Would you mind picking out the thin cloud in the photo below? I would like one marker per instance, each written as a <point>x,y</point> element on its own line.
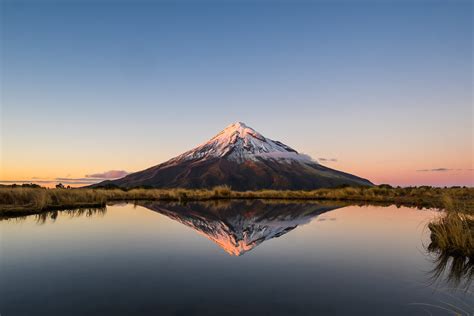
<point>78,179</point>
<point>442,170</point>
<point>111,174</point>
<point>87,179</point>
<point>322,159</point>
<point>24,181</point>
<point>434,170</point>
<point>52,181</point>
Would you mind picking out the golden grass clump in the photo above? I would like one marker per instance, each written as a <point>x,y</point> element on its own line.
<point>452,240</point>
<point>39,199</point>
<point>453,234</point>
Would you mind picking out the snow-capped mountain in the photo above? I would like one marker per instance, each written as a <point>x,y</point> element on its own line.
<point>238,142</point>
<point>239,226</point>
<point>242,158</point>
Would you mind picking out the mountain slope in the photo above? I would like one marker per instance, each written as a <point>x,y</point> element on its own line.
<point>243,159</point>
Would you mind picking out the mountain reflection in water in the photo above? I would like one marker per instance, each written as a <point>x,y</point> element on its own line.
<point>239,226</point>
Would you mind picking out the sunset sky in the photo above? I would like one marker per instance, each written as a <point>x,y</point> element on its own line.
<point>381,89</point>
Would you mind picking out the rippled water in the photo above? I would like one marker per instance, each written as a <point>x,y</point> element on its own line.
<point>227,258</point>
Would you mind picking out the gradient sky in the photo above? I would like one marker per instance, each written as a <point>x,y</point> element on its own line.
<point>384,88</point>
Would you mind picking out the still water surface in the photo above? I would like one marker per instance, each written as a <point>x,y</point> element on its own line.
<point>232,258</point>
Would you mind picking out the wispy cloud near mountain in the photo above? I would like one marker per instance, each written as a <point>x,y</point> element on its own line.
<point>327,159</point>
<point>111,174</point>
<point>435,170</point>
<point>441,170</point>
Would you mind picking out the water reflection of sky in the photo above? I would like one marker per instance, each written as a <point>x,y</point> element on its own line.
<point>134,260</point>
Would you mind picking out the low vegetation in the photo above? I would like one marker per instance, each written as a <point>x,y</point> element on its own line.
<point>453,234</point>
<point>452,240</point>
<point>34,200</point>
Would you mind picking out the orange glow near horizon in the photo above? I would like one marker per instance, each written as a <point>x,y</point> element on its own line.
<point>400,164</point>
<point>390,173</point>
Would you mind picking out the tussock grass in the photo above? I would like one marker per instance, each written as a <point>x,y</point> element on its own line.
<point>32,200</point>
<point>452,241</point>
<point>453,235</point>
<point>41,199</point>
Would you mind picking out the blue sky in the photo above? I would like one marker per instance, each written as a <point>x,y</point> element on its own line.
<point>383,87</point>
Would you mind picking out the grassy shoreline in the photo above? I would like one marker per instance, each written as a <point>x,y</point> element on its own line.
<point>21,200</point>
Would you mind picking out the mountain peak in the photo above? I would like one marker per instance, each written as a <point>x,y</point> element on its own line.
<point>239,142</point>
<point>237,130</point>
<point>237,125</point>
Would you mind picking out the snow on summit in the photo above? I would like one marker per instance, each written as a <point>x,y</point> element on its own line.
<point>239,142</point>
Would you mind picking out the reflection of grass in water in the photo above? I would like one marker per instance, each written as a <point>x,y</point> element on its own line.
<point>451,247</point>
<point>455,269</point>
<point>53,215</point>
<point>452,244</point>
